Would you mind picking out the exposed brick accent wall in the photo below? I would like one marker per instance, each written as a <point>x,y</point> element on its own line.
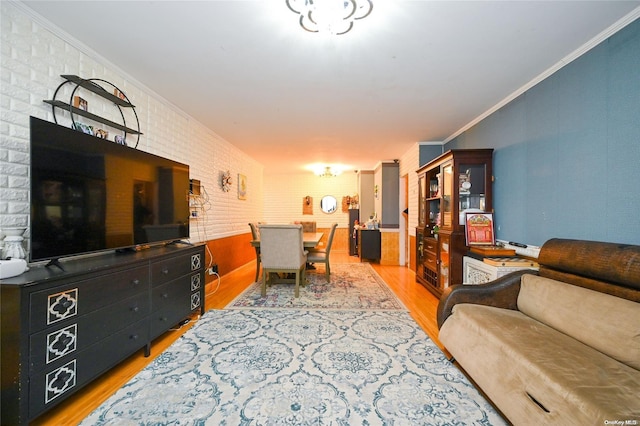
<point>33,56</point>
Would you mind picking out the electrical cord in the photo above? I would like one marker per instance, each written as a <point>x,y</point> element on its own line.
<point>218,286</point>
<point>181,324</point>
<point>201,204</point>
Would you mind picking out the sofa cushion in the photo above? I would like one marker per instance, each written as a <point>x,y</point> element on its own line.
<point>535,374</point>
<point>607,323</point>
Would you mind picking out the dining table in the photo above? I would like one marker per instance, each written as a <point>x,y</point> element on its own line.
<point>309,239</point>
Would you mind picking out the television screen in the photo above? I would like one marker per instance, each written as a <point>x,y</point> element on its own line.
<point>89,194</point>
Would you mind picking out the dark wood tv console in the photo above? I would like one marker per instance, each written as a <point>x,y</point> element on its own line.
<point>61,329</point>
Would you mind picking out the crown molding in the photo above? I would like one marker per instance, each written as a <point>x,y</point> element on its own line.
<point>604,35</point>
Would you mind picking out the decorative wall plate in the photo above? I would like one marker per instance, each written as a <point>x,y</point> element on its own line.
<point>225,181</point>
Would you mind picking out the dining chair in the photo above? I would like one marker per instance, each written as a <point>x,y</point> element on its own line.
<point>308,226</point>
<point>322,255</point>
<point>255,235</point>
<point>282,250</point>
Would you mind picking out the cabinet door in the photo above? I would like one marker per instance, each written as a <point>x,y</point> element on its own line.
<point>476,271</point>
<point>171,303</point>
<point>434,180</point>
<point>370,244</point>
<point>65,376</point>
<point>473,186</point>
<point>197,291</point>
<point>447,194</point>
<point>445,261</point>
<point>170,268</point>
<point>422,200</point>
<point>419,246</point>
<point>75,299</point>
<point>78,334</point>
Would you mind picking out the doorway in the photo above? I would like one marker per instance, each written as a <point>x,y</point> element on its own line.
<point>404,190</point>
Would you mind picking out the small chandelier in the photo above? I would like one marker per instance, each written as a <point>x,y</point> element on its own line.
<point>332,16</point>
<point>328,172</point>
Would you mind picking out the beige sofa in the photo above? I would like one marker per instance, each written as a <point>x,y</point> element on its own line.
<point>559,346</point>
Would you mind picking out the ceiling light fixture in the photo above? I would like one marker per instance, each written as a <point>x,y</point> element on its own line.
<point>328,172</point>
<point>330,16</point>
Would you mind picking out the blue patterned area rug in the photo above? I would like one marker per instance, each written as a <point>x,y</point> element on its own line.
<point>284,367</point>
<point>353,286</point>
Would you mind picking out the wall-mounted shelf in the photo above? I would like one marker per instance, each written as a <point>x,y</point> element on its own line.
<point>98,90</point>
<point>92,86</point>
<point>91,116</point>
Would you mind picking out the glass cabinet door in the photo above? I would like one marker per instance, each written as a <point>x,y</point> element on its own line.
<point>472,191</point>
<point>422,200</point>
<point>447,194</point>
<point>419,249</point>
<point>445,261</point>
<point>433,201</point>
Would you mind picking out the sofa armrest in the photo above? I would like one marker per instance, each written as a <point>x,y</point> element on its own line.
<point>500,293</point>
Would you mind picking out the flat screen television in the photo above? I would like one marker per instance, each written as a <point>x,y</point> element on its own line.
<point>90,194</point>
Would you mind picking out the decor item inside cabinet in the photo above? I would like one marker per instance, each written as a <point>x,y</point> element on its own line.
<point>451,185</point>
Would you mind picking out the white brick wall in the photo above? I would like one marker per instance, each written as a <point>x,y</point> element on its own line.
<point>32,58</point>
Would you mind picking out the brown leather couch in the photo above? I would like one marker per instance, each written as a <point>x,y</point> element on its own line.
<point>556,346</point>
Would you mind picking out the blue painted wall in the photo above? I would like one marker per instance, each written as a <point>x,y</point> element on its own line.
<point>429,152</point>
<point>567,152</point>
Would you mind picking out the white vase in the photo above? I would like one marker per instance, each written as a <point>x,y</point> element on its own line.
<point>12,247</point>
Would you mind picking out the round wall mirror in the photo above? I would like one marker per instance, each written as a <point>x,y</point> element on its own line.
<point>328,204</point>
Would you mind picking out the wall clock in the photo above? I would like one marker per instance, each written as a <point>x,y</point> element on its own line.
<point>225,181</point>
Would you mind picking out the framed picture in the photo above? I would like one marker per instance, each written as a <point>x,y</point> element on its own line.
<point>479,229</point>
<point>307,205</point>
<point>118,94</point>
<point>80,103</point>
<point>242,187</point>
<point>225,181</point>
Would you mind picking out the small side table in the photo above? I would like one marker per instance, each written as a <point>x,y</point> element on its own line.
<point>476,271</point>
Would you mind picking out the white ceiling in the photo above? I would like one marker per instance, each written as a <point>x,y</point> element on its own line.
<point>412,71</point>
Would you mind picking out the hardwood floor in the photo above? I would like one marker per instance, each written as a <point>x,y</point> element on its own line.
<point>421,304</point>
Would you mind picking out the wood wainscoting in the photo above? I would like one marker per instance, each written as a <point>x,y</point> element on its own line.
<point>340,239</point>
<point>229,253</point>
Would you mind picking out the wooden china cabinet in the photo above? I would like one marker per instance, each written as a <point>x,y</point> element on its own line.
<point>457,181</point>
